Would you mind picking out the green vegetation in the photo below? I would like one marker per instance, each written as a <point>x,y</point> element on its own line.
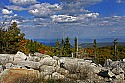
<point>12,40</point>
<point>64,48</point>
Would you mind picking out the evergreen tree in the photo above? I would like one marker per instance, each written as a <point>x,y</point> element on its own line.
<point>67,47</point>
<point>11,39</point>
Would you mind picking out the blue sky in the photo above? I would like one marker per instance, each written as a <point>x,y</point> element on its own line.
<point>50,19</point>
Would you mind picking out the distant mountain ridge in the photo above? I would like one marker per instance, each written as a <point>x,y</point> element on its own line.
<point>102,41</point>
<point>86,45</point>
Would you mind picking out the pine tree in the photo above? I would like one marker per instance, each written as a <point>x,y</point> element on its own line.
<point>67,46</point>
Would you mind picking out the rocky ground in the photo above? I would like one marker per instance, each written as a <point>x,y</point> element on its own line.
<point>40,68</point>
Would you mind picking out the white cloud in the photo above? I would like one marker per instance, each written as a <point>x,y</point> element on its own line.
<point>92,15</point>
<point>23,2</point>
<point>44,9</point>
<point>14,7</point>
<point>119,1</point>
<point>67,18</point>
<point>15,21</point>
<point>15,14</point>
<point>6,11</point>
<point>75,6</point>
<point>63,18</point>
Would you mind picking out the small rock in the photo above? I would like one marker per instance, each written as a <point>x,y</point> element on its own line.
<point>8,65</point>
<point>117,70</point>
<point>57,76</point>
<point>1,68</point>
<point>120,76</point>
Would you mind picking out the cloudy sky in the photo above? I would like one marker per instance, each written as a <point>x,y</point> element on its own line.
<point>50,19</point>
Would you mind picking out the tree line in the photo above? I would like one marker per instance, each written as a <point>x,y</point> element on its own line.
<point>12,40</point>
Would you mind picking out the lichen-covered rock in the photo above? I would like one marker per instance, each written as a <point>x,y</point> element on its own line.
<point>6,58</point>
<point>71,65</point>
<point>62,71</point>
<point>28,64</point>
<point>20,56</point>
<point>48,69</point>
<point>117,70</point>
<point>57,76</point>
<point>38,54</point>
<point>48,61</point>
<point>19,76</point>
<point>1,68</point>
<point>120,76</point>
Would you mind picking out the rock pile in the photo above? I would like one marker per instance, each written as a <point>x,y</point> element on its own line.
<point>36,68</point>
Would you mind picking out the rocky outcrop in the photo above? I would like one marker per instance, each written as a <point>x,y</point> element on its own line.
<point>20,56</point>
<point>19,76</point>
<point>21,68</point>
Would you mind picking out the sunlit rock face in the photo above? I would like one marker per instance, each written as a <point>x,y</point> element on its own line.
<point>19,76</point>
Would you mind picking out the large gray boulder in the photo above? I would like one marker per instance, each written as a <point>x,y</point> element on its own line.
<point>48,69</point>
<point>40,55</point>
<point>70,64</point>
<point>1,68</point>
<point>48,61</point>
<point>20,56</point>
<point>6,58</point>
<point>28,64</point>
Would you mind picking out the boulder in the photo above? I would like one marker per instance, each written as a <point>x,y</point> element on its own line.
<point>123,60</point>
<point>6,58</point>
<point>70,65</point>
<point>20,56</point>
<point>120,76</point>
<point>40,55</point>
<point>36,59</point>
<point>62,71</point>
<point>48,61</point>
<point>48,69</point>
<point>117,71</point>
<point>19,76</point>
<point>57,76</point>
<point>28,64</point>
<point>8,65</point>
<point>45,75</point>
<point>1,68</point>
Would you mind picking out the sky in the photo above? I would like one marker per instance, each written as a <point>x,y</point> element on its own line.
<point>51,19</point>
